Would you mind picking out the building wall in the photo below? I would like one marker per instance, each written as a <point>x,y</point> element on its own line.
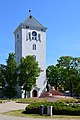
<point>24,47</point>
<point>40,53</point>
<point>18,45</point>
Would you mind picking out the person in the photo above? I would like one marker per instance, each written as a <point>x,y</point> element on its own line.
<point>48,87</point>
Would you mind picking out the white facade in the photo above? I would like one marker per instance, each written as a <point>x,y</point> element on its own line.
<point>30,39</point>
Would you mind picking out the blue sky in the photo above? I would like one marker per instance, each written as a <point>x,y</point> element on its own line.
<point>61,17</point>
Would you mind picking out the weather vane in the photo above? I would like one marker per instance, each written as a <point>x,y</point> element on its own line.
<point>30,12</point>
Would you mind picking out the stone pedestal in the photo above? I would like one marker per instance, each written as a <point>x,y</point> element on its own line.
<point>49,110</point>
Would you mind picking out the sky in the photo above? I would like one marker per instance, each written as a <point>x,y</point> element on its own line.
<point>61,17</point>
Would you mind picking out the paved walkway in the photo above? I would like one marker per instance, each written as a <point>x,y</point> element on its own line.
<point>8,106</point>
<point>5,117</point>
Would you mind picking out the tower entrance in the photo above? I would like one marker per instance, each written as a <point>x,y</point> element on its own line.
<point>34,93</point>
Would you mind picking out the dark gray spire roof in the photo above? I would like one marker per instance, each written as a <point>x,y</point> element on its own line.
<point>32,22</point>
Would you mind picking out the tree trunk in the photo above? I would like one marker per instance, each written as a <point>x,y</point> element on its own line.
<point>25,94</point>
<point>56,86</point>
<point>71,89</point>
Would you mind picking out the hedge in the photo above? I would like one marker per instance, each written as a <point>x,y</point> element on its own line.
<point>59,108</point>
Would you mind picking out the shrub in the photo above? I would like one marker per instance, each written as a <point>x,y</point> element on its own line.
<point>34,108</point>
<point>59,108</point>
<point>0,101</point>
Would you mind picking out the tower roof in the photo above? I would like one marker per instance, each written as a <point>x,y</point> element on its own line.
<point>31,22</point>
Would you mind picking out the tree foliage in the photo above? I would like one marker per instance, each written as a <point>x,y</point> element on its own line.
<point>2,78</point>
<point>10,76</point>
<point>28,71</point>
<point>72,77</point>
<point>66,74</point>
<point>52,73</point>
<point>2,73</point>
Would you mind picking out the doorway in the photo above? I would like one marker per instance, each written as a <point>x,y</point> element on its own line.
<point>34,93</point>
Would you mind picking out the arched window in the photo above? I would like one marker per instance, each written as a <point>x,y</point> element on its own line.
<point>34,46</point>
<point>39,37</point>
<point>29,35</point>
<point>35,57</point>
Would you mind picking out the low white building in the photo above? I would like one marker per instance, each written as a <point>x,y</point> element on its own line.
<point>30,39</point>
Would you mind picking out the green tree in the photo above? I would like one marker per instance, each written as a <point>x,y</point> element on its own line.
<point>28,71</point>
<point>53,75</point>
<point>71,75</point>
<point>10,76</point>
<point>65,74</point>
<point>2,76</point>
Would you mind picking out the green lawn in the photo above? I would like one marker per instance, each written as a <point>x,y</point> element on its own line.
<point>20,114</point>
<point>30,100</point>
<point>24,100</point>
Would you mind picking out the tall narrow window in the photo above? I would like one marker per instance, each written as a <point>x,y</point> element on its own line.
<point>34,46</point>
<point>35,57</point>
<point>18,36</point>
<point>29,35</point>
<point>32,38</point>
<point>39,37</point>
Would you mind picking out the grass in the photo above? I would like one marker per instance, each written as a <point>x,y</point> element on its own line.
<point>3,101</point>
<point>19,113</point>
<point>24,100</point>
<point>30,100</point>
<point>69,100</point>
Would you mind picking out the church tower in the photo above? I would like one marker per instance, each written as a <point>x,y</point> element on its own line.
<point>30,39</point>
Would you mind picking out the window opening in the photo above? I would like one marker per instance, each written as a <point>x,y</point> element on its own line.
<point>39,37</point>
<point>27,27</point>
<point>17,36</point>
<point>35,57</point>
<point>34,46</point>
<point>29,35</point>
<point>34,35</point>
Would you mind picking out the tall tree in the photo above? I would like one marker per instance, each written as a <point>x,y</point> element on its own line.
<point>65,74</point>
<point>71,67</point>
<point>28,71</point>
<point>10,76</point>
<point>2,76</point>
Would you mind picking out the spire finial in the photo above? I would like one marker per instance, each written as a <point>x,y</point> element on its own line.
<point>29,12</point>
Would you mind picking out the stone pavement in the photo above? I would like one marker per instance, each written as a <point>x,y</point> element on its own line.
<point>8,106</point>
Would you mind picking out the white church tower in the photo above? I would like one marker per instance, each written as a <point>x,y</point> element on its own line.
<point>30,39</point>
